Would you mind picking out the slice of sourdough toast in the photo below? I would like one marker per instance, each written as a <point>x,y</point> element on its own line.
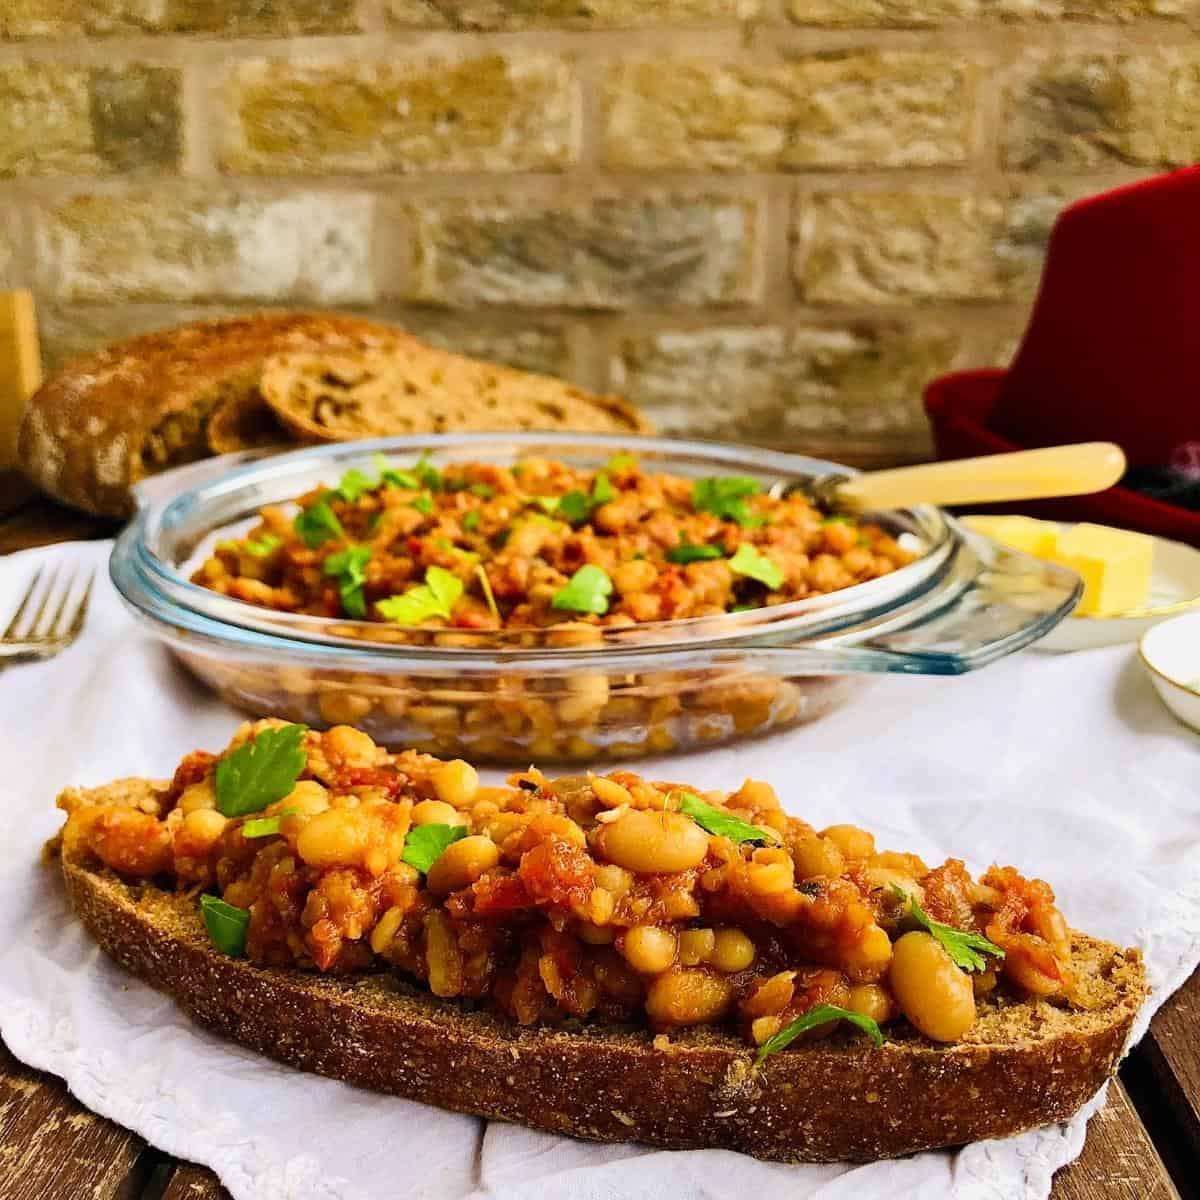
<point>1023,1064</point>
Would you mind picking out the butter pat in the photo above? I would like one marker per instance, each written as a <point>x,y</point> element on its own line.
<point>1114,564</point>
<point>1026,534</point>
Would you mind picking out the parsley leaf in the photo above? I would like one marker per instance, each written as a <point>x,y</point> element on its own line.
<point>688,552</point>
<point>470,521</point>
<point>226,925</point>
<point>749,562</point>
<point>725,497</point>
<point>721,823</point>
<point>744,607</point>
<point>261,546</point>
<point>395,475</point>
<point>427,473</point>
<point>621,462</point>
<point>822,1014</point>
<point>261,771</point>
<point>266,826</point>
<point>318,523</point>
<point>423,504</point>
<point>421,474</point>
<point>484,491</point>
<point>433,598</point>
<point>425,843</point>
<point>966,949</point>
<point>574,507</point>
<point>354,483</point>
<point>350,567</point>
<point>587,591</point>
<point>603,490</point>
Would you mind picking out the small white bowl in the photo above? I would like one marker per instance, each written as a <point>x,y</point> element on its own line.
<point>1170,652</point>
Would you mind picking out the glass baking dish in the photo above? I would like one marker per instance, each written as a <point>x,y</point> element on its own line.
<point>570,694</point>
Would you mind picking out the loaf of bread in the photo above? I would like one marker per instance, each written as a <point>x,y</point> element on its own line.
<point>413,388</point>
<point>163,399</point>
<point>140,406</point>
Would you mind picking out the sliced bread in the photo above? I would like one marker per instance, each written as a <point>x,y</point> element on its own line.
<point>413,388</point>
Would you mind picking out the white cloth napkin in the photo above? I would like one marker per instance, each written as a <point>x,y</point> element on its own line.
<point>1065,766</point>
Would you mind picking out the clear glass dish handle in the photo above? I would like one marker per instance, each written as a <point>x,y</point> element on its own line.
<point>996,601</point>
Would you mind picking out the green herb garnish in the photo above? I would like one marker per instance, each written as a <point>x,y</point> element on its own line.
<point>838,519</point>
<point>226,925</point>
<point>688,552</point>
<point>721,823</point>
<point>744,607</point>
<point>436,597</point>
<point>603,490</point>
<point>574,507</point>
<point>318,523</point>
<point>587,591</point>
<point>261,546</point>
<point>725,497</point>
<point>350,568</point>
<point>427,473</point>
<point>470,521</point>
<point>446,546</point>
<point>423,504</point>
<point>486,585</point>
<point>396,476</point>
<point>484,491</point>
<point>621,462</point>
<point>749,562</point>
<point>354,483</point>
<point>265,826</point>
<point>966,949</point>
<point>261,771</point>
<point>425,844</point>
<point>821,1015</point>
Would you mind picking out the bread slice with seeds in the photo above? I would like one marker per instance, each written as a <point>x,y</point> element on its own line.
<point>1023,1064</point>
<point>413,388</point>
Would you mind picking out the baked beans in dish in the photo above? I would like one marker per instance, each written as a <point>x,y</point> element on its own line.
<point>477,546</point>
<point>604,898</point>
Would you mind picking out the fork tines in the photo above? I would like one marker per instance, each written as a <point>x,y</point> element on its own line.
<point>50,615</point>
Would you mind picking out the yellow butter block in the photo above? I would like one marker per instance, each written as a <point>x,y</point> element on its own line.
<point>1114,564</point>
<point>1026,534</point>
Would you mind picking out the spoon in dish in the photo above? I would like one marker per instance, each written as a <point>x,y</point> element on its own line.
<point>992,479</point>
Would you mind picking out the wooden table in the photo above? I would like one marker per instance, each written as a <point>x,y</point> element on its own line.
<point>1144,1145</point>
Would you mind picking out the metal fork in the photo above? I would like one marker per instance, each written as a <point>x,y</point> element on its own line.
<point>53,621</point>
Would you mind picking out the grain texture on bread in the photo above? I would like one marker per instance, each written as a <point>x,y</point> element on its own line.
<point>112,417</point>
<point>415,388</point>
<point>1024,1064</point>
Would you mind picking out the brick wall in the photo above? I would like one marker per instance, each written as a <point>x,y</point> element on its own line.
<point>762,219</point>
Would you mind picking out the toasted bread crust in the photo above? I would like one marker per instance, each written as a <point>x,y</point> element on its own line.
<point>110,418</point>
<point>415,388</point>
<point>1025,1064</point>
<point>85,431</point>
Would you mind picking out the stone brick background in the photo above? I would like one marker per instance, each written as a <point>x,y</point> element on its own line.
<point>770,220</point>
